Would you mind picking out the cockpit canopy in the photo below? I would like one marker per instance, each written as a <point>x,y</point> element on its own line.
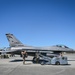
<point>62,46</point>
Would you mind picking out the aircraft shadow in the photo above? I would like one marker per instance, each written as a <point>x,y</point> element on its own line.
<point>18,60</point>
<point>66,64</point>
<point>63,65</point>
<point>71,60</point>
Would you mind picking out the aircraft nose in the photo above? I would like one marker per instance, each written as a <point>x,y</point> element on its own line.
<point>72,50</point>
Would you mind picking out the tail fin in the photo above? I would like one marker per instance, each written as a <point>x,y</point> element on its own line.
<point>13,41</point>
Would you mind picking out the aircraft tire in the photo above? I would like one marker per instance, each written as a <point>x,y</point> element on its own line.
<point>57,63</point>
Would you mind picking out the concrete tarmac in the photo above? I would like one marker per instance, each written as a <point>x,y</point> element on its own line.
<point>14,66</point>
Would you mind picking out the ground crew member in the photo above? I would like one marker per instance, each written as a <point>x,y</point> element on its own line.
<point>37,57</point>
<point>24,55</point>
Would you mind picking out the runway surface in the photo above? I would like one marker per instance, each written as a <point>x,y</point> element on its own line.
<point>14,66</point>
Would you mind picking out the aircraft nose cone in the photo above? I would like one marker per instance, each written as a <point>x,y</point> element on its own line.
<point>71,50</point>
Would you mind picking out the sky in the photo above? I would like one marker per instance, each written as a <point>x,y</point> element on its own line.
<point>38,22</point>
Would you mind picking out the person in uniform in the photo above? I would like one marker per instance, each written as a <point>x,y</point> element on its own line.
<point>24,55</point>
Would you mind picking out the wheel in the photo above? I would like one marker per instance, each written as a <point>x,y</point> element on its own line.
<point>42,63</point>
<point>34,60</point>
<point>57,63</point>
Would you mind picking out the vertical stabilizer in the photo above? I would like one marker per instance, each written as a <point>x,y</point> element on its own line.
<point>13,41</point>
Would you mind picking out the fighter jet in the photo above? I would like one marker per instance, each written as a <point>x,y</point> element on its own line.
<point>16,47</point>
